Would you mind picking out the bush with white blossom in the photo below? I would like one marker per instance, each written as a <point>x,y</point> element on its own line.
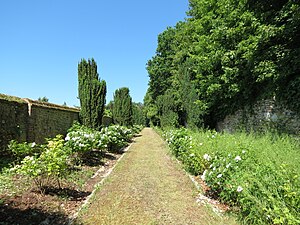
<point>265,190</point>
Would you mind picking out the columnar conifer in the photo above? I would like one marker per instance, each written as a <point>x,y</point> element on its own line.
<point>122,109</point>
<point>92,93</point>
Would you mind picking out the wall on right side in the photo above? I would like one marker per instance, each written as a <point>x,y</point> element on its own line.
<point>265,115</point>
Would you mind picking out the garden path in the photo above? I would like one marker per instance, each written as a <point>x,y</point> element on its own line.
<point>148,187</point>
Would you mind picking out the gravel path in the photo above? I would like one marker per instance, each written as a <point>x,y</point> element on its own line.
<point>148,187</point>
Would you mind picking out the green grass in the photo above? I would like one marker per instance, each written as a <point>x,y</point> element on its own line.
<point>148,187</point>
<point>258,173</point>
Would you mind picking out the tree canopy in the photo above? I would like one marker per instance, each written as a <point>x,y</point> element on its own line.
<point>226,55</point>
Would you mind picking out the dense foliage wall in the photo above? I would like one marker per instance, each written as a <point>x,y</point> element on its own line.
<point>225,56</point>
<point>92,94</point>
<point>33,121</point>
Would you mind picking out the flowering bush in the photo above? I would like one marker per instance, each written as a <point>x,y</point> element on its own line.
<point>81,139</point>
<point>117,136</point>
<point>181,145</point>
<point>237,172</point>
<point>54,158</point>
<point>20,150</point>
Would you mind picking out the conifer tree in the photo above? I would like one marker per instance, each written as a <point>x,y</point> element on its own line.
<point>122,109</point>
<point>92,94</point>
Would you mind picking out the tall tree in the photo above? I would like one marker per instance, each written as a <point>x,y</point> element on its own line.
<point>122,108</point>
<point>138,117</point>
<point>92,94</point>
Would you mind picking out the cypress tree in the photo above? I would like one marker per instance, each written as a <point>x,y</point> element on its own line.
<point>122,109</point>
<point>92,93</point>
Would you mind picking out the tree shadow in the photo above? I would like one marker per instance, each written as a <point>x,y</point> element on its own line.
<point>9,215</point>
<point>70,194</point>
<point>95,158</point>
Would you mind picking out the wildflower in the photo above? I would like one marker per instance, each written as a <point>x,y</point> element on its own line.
<point>67,138</point>
<point>33,144</point>
<point>203,175</point>
<point>238,158</point>
<point>201,144</point>
<point>192,155</point>
<point>228,165</point>
<point>243,151</point>
<point>219,175</point>
<point>206,157</point>
<point>239,189</point>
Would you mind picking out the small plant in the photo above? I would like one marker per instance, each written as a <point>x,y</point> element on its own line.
<point>51,163</point>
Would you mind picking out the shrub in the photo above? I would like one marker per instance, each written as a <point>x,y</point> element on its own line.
<point>257,174</point>
<point>20,150</point>
<point>51,163</point>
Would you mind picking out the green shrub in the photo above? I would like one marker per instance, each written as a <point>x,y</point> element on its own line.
<point>51,163</point>
<point>20,150</point>
<point>257,174</point>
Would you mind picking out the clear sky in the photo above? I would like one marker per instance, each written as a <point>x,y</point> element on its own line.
<point>42,42</point>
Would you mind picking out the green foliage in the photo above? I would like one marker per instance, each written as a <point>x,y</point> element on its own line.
<point>20,150</point>
<point>54,160</point>
<point>229,54</point>
<point>51,163</point>
<point>92,94</point>
<point>43,99</point>
<point>122,107</point>
<point>167,110</point>
<point>259,175</point>
<point>138,116</point>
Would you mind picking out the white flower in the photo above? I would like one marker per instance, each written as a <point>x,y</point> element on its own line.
<point>33,144</point>
<point>192,155</point>
<point>239,189</point>
<point>203,175</point>
<point>206,157</point>
<point>243,151</point>
<point>219,175</point>
<point>67,138</point>
<point>238,158</point>
<point>201,144</point>
<point>228,165</point>
<point>214,168</point>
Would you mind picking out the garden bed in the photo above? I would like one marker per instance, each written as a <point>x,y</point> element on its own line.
<point>25,204</point>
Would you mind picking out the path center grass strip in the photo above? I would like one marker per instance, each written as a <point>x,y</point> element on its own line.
<point>147,187</point>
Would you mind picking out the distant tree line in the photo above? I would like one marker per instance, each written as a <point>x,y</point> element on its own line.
<point>226,55</point>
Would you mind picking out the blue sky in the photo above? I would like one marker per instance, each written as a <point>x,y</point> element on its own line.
<point>42,42</point>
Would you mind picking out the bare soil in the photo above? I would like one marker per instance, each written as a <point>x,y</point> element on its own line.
<point>55,205</point>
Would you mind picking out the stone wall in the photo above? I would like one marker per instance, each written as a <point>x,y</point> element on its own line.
<point>265,115</point>
<point>32,121</point>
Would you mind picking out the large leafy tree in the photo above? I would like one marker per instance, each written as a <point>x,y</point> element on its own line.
<point>92,94</point>
<point>122,107</point>
<point>225,56</point>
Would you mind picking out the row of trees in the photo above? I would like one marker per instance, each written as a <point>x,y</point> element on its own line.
<point>92,96</point>
<point>226,55</point>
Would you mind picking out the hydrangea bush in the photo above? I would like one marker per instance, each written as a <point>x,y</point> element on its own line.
<point>54,159</point>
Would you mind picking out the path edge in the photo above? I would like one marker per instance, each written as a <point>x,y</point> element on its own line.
<point>73,217</point>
